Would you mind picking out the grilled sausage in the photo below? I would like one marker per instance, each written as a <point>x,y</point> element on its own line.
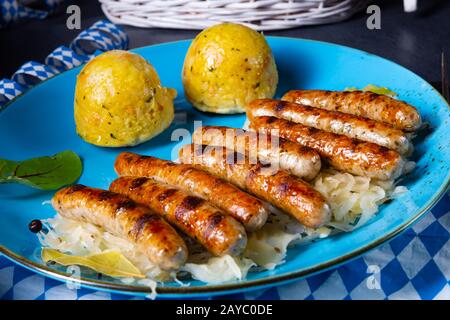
<point>333,121</point>
<point>351,155</point>
<point>296,159</point>
<point>365,104</point>
<point>248,210</point>
<point>283,190</point>
<point>218,233</point>
<point>117,214</point>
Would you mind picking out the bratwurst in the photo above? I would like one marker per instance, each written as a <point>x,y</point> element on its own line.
<point>248,210</point>
<point>333,121</point>
<point>361,103</point>
<point>298,160</point>
<point>278,187</point>
<point>123,217</point>
<point>220,234</point>
<point>345,154</point>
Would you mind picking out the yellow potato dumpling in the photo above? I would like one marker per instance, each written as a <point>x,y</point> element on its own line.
<point>119,101</point>
<point>227,66</point>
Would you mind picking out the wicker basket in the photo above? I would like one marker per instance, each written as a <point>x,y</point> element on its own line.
<point>199,14</point>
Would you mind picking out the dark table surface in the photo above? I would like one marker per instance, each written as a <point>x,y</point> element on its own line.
<point>414,40</point>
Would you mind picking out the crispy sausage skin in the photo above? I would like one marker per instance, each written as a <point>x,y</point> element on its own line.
<point>219,233</point>
<point>351,155</point>
<point>298,160</point>
<point>117,214</point>
<point>248,210</point>
<point>278,187</point>
<point>333,121</point>
<point>370,105</point>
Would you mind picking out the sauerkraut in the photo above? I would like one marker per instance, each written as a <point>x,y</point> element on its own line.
<point>353,199</point>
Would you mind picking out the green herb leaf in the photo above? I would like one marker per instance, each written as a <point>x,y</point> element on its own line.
<point>379,90</point>
<point>46,173</point>
<point>374,89</point>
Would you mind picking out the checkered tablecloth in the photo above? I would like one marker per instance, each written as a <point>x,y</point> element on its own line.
<point>415,265</point>
<point>14,10</point>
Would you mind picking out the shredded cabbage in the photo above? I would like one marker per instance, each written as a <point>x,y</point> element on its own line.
<point>219,269</point>
<point>353,199</point>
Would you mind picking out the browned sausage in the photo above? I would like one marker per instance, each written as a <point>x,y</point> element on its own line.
<point>298,160</point>
<point>365,104</point>
<point>248,210</point>
<point>333,121</point>
<point>280,188</point>
<point>117,214</point>
<point>218,233</point>
<point>351,155</point>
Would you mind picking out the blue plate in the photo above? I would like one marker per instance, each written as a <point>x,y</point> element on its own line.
<point>40,122</point>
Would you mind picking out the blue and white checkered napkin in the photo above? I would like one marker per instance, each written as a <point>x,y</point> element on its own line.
<point>13,10</point>
<point>101,36</point>
<point>415,265</point>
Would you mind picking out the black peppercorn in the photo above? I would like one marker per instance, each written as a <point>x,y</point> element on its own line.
<point>35,226</point>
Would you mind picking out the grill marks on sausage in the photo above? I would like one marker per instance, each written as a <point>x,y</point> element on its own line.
<point>283,188</point>
<point>166,194</point>
<point>138,182</point>
<point>373,96</point>
<point>186,170</point>
<point>128,158</point>
<point>212,225</point>
<point>312,130</point>
<point>140,224</point>
<point>106,195</point>
<point>75,188</point>
<point>305,149</point>
<point>280,106</point>
<point>218,182</point>
<point>192,203</point>
<point>142,157</point>
<point>125,205</point>
<point>384,151</point>
<point>189,204</point>
<point>271,120</point>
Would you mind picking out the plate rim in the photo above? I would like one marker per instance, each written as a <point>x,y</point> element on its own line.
<point>224,288</point>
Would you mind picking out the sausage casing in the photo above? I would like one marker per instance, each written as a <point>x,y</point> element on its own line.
<point>296,159</point>
<point>370,105</point>
<point>117,214</point>
<point>220,234</point>
<point>333,121</point>
<point>351,155</point>
<point>248,210</point>
<point>280,188</point>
